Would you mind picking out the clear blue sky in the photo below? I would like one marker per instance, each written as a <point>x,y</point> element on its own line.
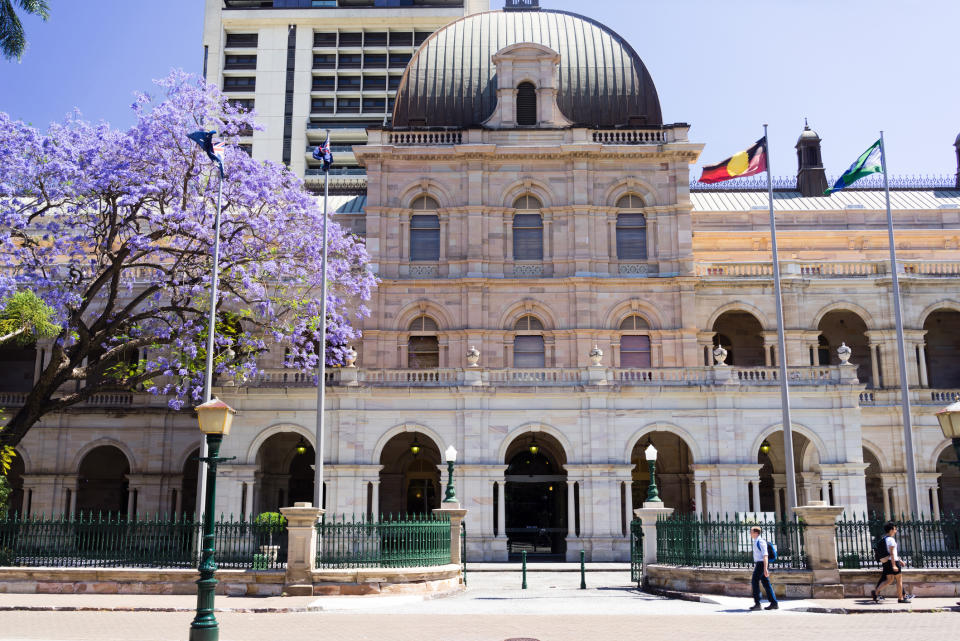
<point>726,68</point>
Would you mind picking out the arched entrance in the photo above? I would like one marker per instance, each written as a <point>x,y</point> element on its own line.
<point>410,476</point>
<point>772,489</point>
<point>843,326</point>
<point>102,486</point>
<point>874,481</point>
<point>674,479</point>
<point>943,349</point>
<point>188,487</point>
<point>284,474</point>
<point>15,480</point>
<point>535,497</point>
<point>741,334</point>
<point>949,481</point>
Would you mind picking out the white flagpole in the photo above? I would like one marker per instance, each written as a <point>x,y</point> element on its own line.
<point>781,348</point>
<point>913,496</point>
<point>321,366</point>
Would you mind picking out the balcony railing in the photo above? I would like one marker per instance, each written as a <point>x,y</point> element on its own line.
<point>827,269</point>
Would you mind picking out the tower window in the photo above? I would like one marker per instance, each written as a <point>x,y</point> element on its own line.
<point>526,104</point>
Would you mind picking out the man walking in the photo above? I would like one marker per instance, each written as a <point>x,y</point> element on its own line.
<point>892,565</point>
<point>761,571</point>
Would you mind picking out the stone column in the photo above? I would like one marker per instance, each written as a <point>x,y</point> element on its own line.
<point>375,499</point>
<point>571,510</point>
<point>874,365</point>
<point>501,510</point>
<point>924,381</point>
<point>936,503</point>
<point>456,514</point>
<point>820,545</point>
<point>756,495</point>
<point>301,547</point>
<point>825,490</point>
<point>886,503</point>
<point>648,515</point>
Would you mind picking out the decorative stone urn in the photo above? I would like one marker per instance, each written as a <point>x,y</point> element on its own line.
<point>473,356</point>
<point>351,356</point>
<point>720,356</point>
<point>596,355</point>
<point>844,353</point>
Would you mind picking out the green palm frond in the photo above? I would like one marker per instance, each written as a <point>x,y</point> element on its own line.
<point>13,40</point>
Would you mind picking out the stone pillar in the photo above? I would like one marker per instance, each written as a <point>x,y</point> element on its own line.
<point>874,365</point>
<point>501,510</point>
<point>825,490</point>
<point>820,545</point>
<point>375,499</point>
<point>571,510</point>
<point>886,503</point>
<point>648,515</point>
<point>777,507</point>
<point>456,514</point>
<point>924,381</point>
<point>301,547</point>
<point>756,495</point>
<point>936,503</point>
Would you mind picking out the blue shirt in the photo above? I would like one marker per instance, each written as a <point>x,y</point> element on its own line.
<point>759,549</point>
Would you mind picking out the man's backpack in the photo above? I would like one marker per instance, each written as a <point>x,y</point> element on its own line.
<point>771,552</point>
<point>880,551</point>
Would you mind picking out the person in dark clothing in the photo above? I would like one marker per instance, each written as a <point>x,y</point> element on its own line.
<point>892,567</point>
<point>761,571</point>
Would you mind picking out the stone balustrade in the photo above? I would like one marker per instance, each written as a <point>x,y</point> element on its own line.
<point>918,396</point>
<point>826,269</point>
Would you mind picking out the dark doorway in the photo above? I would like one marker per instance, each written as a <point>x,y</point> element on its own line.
<point>536,499</point>
<point>410,476</point>
<point>102,483</point>
<point>285,473</point>
<point>188,488</point>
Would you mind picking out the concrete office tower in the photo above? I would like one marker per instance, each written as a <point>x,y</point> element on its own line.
<point>310,65</point>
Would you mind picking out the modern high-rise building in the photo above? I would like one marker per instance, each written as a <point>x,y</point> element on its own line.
<point>306,66</point>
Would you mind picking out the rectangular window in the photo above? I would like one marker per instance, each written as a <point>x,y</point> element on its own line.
<point>373,83</point>
<point>528,351</point>
<point>420,36</point>
<point>425,237</point>
<point>634,351</point>
<point>322,105</point>
<point>527,237</point>
<point>348,83</point>
<point>374,105</point>
<point>374,60</point>
<point>241,83</point>
<point>248,61</point>
<point>423,352</point>
<point>325,39</point>
<point>348,105</point>
<point>631,237</point>
<point>324,61</point>
<point>401,39</point>
<point>241,40</point>
<point>351,39</point>
<point>242,103</point>
<point>399,60</point>
<point>394,82</point>
<point>350,61</point>
<point>375,39</point>
<point>324,83</point>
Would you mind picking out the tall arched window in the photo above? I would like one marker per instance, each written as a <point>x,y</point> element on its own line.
<point>424,229</point>
<point>634,347</point>
<point>526,104</point>
<point>527,229</point>
<point>631,229</point>
<point>423,348</point>
<point>528,347</point>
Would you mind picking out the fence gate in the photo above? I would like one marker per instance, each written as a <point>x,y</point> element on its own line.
<point>636,551</point>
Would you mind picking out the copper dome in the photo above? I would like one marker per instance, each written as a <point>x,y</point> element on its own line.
<point>451,80</point>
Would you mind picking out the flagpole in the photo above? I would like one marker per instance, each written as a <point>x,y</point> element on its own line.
<point>321,366</point>
<point>781,348</point>
<point>208,372</point>
<point>913,496</point>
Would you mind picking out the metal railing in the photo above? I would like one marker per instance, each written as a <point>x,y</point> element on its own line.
<point>726,543</point>
<point>921,543</point>
<point>112,541</point>
<point>636,551</point>
<point>391,542</point>
<point>789,183</point>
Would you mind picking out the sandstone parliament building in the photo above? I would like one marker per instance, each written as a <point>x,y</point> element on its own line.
<point>552,292</point>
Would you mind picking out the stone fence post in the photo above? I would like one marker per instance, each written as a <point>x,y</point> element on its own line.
<point>456,514</point>
<point>301,547</point>
<point>820,545</point>
<point>648,515</point>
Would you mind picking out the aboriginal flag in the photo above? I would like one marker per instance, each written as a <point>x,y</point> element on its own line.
<point>745,163</point>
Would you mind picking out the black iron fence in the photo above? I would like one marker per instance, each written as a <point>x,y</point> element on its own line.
<point>726,543</point>
<point>921,543</point>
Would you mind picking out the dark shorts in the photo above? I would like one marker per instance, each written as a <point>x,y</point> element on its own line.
<point>889,568</point>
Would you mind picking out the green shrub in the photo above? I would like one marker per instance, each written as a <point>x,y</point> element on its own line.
<point>271,518</point>
<point>5,491</point>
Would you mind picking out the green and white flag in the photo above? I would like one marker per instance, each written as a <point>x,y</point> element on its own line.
<point>869,162</point>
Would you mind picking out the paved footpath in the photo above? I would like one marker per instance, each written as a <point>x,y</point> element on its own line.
<point>493,608</point>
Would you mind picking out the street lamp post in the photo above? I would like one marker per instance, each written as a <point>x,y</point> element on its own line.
<point>451,494</point>
<point>651,455</point>
<point>949,418</point>
<point>215,418</point>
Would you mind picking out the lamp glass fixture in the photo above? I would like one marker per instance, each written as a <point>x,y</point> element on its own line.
<point>215,417</point>
<point>451,454</point>
<point>765,447</point>
<point>650,453</point>
<point>949,418</point>
<point>302,446</point>
<point>533,447</point>
<point>415,446</point>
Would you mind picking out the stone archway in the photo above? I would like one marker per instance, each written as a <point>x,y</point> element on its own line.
<point>948,485</point>
<point>102,484</point>
<point>535,497</point>
<point>874,482</point>
<point>410,475</point>
<point>843,326</point>
<point>285,475</point>
<point>772,487</point>
<point>943,349</point>
<point>673,472</point>
<point>741,334</point>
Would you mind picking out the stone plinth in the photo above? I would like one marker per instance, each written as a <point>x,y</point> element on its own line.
<point>648,515</point>
<point>301,547</point>
<point>820,545</point>
<point>456,514</point>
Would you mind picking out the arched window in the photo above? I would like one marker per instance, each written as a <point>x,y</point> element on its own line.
<point>528,347</point>
<point>631,230</point>
<point>634,348</point>
<point>423,349</point>
<point>527,229</point>
<point>526,104</point>
<point>424,230</point>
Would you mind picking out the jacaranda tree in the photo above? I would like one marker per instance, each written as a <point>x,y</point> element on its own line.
<point>114,230</point>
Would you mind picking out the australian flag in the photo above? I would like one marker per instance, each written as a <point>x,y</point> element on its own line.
<point>323,153</point>
<point>214,149</point>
